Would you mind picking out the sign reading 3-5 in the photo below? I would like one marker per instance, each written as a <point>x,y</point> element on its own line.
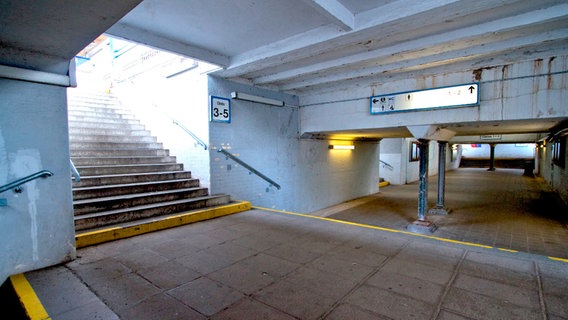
<point>220,109</point>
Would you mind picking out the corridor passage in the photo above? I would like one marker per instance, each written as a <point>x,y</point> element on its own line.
<point>262,264</point>
<point>502,209</point>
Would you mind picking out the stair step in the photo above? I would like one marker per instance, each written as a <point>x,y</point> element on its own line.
<point>94,236</point>
<point>119,153</point>
<point>87,206</point>
<point>104,126</point>
<point>104,161</point>
<point>111,138</point>
<point>109,101</point>
<point>91,192</point>
<point>105,120</point>
<point>100,113</point>
<point>94,145</point>
<point>73,131</point>
<point>87,181</point>
<point>146,211</point>
<point>77,105</point>
<point>136,168</point>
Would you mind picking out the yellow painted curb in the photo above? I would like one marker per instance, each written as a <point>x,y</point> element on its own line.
<point>383,184</point>
<point>110,234</point>
<point>28,298</point>
<point>558,259</point>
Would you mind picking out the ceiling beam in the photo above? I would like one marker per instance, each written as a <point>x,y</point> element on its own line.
<point>324,39</point>
<point>145,37</point>
<point>541,51</point>
<point>433,60</point>
<point>335,11</point>
<point>494,29</point>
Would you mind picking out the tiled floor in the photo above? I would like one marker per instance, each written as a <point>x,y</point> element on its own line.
<point>268,265</point>
<point>503,209</point>
<point>263,264</point>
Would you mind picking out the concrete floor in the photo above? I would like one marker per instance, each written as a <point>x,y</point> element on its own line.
<point>502,208</point>
<point>262,264</point>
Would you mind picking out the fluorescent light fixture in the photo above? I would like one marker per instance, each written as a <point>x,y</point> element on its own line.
<point>253,98</point>
<point>341,147</point>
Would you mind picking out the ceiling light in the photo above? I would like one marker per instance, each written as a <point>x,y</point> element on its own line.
<point>341,147</point>
<point>253,98</point>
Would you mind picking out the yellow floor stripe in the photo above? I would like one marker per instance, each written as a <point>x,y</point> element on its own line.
<point>471,244</point>
<point>508,250</point>
<point>558,259</point>
<point>96,237</point>
<point>28,298</point>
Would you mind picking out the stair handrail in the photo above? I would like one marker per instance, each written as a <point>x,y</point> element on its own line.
<point>195,137</point>
<point>74,172</point>
<point>387,165</point>
<point>247,166</point>
<point>19,182</point>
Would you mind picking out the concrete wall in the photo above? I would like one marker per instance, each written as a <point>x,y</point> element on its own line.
<point>36,227</point>
<point>267,137</point>
<point>396,152</point>
<point>556,176</point>
<point>527,90</point>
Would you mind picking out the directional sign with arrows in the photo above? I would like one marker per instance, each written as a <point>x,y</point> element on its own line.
<point>464,95</point>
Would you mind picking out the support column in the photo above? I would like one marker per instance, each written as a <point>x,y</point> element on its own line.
<point>492,157</point>
<point>439,208</point>
<point>423,224</point>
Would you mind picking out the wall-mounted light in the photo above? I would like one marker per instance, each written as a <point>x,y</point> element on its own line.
<point>253,98</point>
<point>341,147</point>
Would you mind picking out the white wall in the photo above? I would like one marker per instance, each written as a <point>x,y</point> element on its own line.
<point>555,175</point>
<point>267,137</point>
<point>36,228</point>
<point>503,151</point>
<point>396,152</point>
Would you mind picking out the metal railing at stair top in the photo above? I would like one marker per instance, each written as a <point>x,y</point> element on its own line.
<point>249,168</point>
<point>16,184</point>
<point>196,138</point>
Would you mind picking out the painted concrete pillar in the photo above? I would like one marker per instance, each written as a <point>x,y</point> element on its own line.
<point>439,208</point>
<point>422,224</point>
<point>423,176</point>
<point>491,157</point>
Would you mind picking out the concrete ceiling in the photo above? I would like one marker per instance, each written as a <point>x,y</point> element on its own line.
<point>301,45</point>
<point>46,35</point>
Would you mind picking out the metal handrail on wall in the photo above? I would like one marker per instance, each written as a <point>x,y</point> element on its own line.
<point>248,167</point>
<point>386,165</point>
<point>16,184</point>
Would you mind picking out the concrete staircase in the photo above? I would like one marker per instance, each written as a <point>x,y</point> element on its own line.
<point>126,175</point>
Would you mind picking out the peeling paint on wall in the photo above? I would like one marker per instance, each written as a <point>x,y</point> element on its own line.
<point>23,163</point>
<point>3,161</point>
